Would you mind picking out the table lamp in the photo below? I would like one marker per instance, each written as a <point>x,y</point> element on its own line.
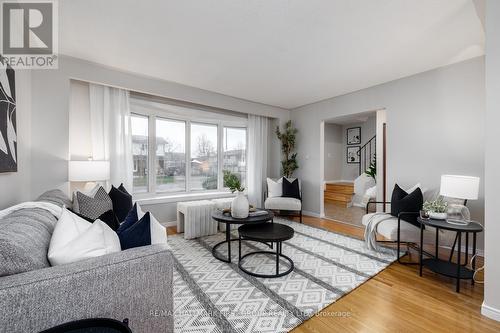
<point>460,187</point>
<point>88,171</point>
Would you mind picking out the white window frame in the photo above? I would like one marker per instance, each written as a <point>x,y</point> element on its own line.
<point>188,115</point>
<point>246,150</point>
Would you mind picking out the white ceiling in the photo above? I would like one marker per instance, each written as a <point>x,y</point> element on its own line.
<point>284,53</point>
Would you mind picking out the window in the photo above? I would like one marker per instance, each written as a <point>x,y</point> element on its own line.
<point>170,155</point>
<point>140,151</point>
<point>234,148</point>
<point>204,162</point>
<point>186,149</point>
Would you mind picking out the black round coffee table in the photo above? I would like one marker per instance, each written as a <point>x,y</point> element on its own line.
<point>263,233</point>
<point>226,218</point>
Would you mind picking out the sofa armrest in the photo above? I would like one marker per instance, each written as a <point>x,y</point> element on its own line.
<point>134,284</point>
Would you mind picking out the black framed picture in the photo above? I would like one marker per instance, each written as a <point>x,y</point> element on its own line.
<point>353,154</point>
<point>8,129</point>
<point>354,136</point>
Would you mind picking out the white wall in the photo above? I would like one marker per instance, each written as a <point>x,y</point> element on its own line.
<point>491,305</point>
<point>50,117</point>
<point>435,125</point>
<point>334,152</point>
<point>15,186</point>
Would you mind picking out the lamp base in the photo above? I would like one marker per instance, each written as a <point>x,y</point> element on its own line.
<point>89,186</point>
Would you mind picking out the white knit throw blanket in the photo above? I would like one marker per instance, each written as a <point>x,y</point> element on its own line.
<point>371,230</point>
<point>50,207</point>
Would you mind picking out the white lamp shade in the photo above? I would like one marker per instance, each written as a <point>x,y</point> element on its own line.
<point>88,171</point>
<point>460,187</point>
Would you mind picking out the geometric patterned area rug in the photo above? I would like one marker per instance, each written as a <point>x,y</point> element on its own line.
<point>213,296</point>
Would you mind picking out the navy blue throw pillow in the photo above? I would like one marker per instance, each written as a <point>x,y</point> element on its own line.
<point>122,201</point>
<point>138,234</point>
<point>129,220</point>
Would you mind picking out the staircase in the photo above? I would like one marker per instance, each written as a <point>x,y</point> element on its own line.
<point>367,154</point>
<point>339,193</point>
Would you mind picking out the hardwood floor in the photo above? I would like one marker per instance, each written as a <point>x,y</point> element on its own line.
<point>399,300</point>
<point>339,212</point>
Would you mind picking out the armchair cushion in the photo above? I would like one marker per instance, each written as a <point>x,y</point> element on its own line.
<point>409,232</point>
<point>283,203</point>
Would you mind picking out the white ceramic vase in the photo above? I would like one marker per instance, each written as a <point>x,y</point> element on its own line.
<point>240,206</point>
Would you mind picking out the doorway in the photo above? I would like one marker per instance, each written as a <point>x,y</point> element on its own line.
<point>353,160</point>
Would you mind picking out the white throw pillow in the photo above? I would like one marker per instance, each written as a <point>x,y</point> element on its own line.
<point>76,239</point>
<point>274,188</point>
<point>158,232</point>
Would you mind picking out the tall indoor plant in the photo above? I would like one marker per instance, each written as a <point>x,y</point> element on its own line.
<point>287,137</point>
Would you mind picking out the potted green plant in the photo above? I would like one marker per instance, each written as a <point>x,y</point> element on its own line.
<point>287,137</point>
<point>372,169</point>
<point>239,205</point>
<point>437,209</point>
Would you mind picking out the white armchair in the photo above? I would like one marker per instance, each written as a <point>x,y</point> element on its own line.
<point>284,205</point>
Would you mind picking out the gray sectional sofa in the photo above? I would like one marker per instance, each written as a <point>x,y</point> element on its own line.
<point>134,284</point>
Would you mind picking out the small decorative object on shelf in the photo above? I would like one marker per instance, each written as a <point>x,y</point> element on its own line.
<point>239,206</point>
<point>436,209</point>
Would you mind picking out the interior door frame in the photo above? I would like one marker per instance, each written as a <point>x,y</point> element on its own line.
<point>381,149</point>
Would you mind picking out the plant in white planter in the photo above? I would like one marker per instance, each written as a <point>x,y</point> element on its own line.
<point>436,209</point>
<point>240,205</point>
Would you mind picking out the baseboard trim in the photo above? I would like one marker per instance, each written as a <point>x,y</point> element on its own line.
<point>490,312</point>
<point>309,213</point>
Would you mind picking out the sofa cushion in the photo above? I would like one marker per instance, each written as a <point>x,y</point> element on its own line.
<point>57,197</point>
<point>25,236</point>
<point>24,240</point>
<point>282,203</point>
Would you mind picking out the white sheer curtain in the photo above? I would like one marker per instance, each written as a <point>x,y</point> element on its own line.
<point>111,132</point>
<point>257,158</point>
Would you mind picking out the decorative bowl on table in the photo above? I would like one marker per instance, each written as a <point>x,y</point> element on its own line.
<point>438,216</point>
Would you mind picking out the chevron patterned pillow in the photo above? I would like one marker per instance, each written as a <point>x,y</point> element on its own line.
<point>93,207</point>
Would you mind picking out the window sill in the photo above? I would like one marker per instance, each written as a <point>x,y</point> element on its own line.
<point>172,198</point>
